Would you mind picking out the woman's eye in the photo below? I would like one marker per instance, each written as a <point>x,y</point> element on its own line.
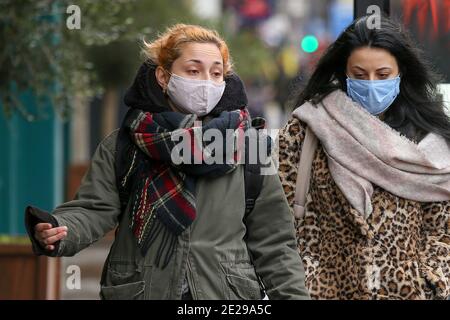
<point>384,76</point>
<point>217,74</point>
<point>193,72</point>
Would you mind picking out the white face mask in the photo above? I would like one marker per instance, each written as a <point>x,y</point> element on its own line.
<point>194,96</point>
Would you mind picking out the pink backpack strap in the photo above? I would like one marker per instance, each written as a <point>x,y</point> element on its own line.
<point>304,172</point>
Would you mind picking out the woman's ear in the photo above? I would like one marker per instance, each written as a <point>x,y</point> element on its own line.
<point>162,78</point>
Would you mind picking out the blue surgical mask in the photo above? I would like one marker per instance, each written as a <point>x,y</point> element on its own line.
<point>374,95</point>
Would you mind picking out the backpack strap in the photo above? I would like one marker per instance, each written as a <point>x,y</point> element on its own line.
<point>253,184</point>
<point>304,172</point>
<point>253,179</point>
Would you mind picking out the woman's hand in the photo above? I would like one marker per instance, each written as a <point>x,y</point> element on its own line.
<point>47,236</point>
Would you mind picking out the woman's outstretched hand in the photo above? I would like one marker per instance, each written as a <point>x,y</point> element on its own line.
<point>47,236</point>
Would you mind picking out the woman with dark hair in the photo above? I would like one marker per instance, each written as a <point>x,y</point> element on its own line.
<point>376,220</point>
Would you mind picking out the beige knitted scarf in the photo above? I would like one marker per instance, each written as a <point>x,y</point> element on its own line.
<point>362,150</point>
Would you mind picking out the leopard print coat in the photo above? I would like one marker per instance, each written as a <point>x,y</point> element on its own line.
<point>401,251</point>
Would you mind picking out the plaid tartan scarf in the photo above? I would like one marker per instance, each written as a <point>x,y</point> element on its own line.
<point>163,192</point>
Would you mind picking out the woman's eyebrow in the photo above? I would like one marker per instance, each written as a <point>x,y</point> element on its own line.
<point>379,69</point>
<point>195,61</point>
<point>201,62</point>
<point>358,67</point>
<point>382,68</point>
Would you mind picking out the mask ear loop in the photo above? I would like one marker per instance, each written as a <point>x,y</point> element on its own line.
<point>170,74</point>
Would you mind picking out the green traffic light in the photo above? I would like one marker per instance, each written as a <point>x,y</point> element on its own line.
<point>310,44</point>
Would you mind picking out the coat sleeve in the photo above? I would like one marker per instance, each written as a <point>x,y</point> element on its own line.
<point>290,141</point>
<point>435,255</point>
<point>272,245</point>
<point>93,212</point>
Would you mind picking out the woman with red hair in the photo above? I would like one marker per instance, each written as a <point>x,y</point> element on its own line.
<point>185,231</point>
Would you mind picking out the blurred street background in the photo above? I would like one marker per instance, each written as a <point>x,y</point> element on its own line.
<point>62,86</point>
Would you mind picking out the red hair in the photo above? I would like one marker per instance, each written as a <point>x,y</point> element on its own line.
<point>167,48</point>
